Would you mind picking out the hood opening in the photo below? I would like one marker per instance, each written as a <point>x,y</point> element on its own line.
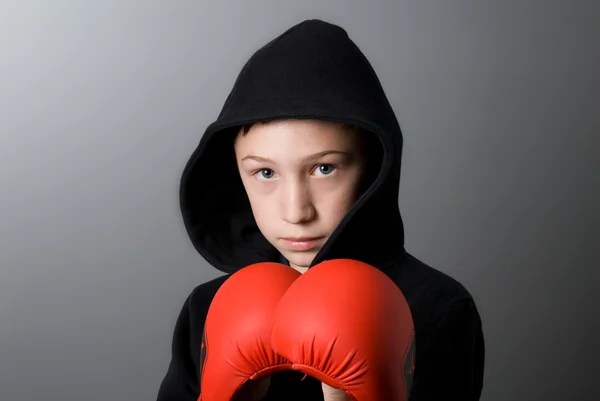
<point>311,71</point>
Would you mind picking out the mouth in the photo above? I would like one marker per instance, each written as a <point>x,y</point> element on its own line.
<point>301,244</point>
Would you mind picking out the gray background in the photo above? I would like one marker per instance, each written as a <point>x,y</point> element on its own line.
<point>101,103</point>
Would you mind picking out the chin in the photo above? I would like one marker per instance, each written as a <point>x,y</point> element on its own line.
<point>300,259</point>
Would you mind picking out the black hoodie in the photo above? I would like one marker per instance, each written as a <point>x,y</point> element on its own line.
<point>314,70</point>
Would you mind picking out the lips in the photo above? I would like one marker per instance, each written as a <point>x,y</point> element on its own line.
<point>301,243</point>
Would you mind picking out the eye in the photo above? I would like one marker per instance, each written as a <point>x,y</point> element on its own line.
<point>265,174</point>
<point>325,169</point>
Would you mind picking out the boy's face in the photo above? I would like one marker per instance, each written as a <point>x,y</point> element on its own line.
<point>301,177</point>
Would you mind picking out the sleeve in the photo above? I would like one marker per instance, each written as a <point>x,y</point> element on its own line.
<point>452,362</point>
<point>181,380</point>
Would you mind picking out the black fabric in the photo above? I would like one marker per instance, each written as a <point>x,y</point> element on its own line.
<point>314,70</point>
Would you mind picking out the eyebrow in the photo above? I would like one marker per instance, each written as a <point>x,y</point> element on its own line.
<point>309,158</point>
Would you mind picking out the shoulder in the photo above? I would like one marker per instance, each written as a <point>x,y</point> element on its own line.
<point>190,322</point>
<point>433,296</point>
<point>421,283</point>
<point>198,301</point>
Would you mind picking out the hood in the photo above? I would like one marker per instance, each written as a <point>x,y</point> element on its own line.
<point>312,70</point>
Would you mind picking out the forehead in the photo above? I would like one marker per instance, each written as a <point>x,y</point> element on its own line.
<point>297,136</point>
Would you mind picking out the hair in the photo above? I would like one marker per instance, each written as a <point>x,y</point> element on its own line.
<point>244,129</point>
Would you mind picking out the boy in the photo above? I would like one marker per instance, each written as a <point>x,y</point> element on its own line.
<point>302,166</point>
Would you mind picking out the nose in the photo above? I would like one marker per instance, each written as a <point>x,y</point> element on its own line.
<point>296,203</point>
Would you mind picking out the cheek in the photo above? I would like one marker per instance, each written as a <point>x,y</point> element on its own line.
<point>265,214</point>
<point>335,203</point>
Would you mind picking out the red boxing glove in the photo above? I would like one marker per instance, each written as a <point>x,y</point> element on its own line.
<point>348,325</point>
<point>237,345</point>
